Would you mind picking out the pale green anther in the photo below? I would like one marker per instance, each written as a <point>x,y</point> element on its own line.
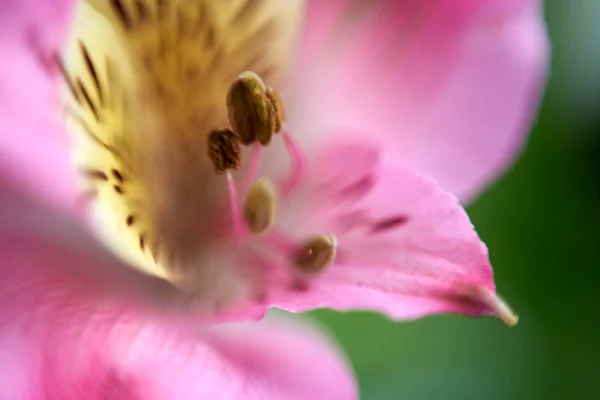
<point>259,206</point>
<point>316,254</point>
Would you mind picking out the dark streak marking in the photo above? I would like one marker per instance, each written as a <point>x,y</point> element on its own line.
<point>267,31</point>
<point>357,189</point>
<point>91,134</point>
<point>94,174</point>
<point>110,79</point>
<point>67,79</point>
<point>181,22</point>
<point>216,60</point>
<point>130,220</point>
<point>191,74</point>
<point>117,175</point>
<point>32,37</point>
<point>160,90</point>
<point>245,12</point>
<point>263,35</point>
<point>118,189</point>
<point>200,20</point>
<point>148,61</point>
<point>389,223</point>
<point>142,10</point>
<point>87,98</point>
<point>162,45</point>
<point>299,285</point>
<point>92,70</point>
<point>260,297</point>
<point>120,10</point>
<point>155,252</point>
<point>142,243</point>
<point>210,38</point>
<point>351,220</point>
<point>161,6</point>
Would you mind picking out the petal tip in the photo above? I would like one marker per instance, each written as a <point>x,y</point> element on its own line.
<point>499,308</point>
<point>505,313</point>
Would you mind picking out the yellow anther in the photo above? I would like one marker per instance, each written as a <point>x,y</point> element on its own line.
<point>316,254</point>
<point>259,206</point>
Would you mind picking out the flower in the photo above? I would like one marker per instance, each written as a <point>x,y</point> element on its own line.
<point>356,222</point>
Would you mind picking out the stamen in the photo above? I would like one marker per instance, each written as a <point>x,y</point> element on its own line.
<point>259,207</point>
<point>316,254</point>
<point>254,166</point>
<point>224,152</point>
<point>251,113</point>
<point>296,168</point>
<point>277,104</point>
<point>256,114</point>
<point>234,204</point>
<point>310,257</point>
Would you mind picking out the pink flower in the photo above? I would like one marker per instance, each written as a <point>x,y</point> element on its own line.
<point>383,95</point>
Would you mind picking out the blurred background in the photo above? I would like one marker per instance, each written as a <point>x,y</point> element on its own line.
<point>541,222</point>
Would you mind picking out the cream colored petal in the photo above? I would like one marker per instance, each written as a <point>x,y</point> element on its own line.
<point>154,86</point>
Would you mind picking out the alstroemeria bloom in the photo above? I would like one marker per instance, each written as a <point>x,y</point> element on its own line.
<point>335,210</point>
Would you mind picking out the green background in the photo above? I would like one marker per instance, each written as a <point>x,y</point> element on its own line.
<point>541,224</point>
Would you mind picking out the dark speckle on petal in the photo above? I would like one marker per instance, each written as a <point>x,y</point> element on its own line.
<point>357,189</point>
<point>386,224</point>
<point>299,285</point>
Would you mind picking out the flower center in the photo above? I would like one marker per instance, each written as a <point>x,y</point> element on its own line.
<point>156,147</point>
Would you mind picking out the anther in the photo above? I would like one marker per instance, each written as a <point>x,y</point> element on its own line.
<point>278,112</point>
<point>259,206</point>
<point>251,113</point>
<point>256,113</point>
<point>316,254</point>
<point>224,150</point>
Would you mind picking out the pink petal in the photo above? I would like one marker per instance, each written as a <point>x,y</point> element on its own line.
<point>75,324</point>
<point>34,150</point>
<point>405,246</point>
<point>448,87</point>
